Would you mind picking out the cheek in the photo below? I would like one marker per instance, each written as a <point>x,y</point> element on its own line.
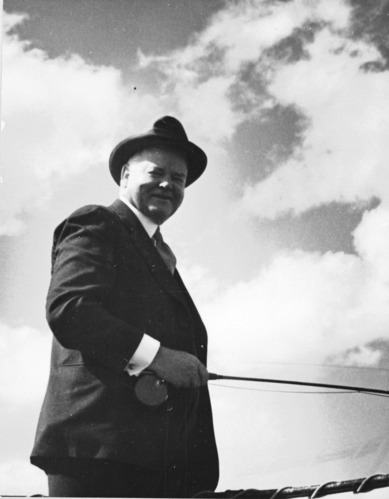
<point>179,197</point>
<point>144,193</point>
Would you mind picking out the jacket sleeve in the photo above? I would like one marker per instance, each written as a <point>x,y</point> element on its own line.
<point>83,276</point>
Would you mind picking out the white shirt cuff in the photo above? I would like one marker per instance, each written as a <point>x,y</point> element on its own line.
<point>143,356</point>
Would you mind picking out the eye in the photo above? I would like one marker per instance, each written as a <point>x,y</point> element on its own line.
<point>179,179</point>
<point>155,173</point>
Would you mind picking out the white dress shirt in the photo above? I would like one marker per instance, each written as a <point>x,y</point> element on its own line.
<point>148,347</point>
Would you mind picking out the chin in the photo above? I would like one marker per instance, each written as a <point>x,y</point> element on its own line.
<point>158,216</point>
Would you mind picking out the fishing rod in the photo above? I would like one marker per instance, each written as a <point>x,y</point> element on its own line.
<point>358,389</point>
<point>153,391</point>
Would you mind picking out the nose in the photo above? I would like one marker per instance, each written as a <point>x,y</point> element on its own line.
<point>165,183</point>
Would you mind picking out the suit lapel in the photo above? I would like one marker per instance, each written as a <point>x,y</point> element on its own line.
<point>148,251</point>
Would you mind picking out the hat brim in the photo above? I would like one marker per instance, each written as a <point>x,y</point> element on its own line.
<point>196,157</point>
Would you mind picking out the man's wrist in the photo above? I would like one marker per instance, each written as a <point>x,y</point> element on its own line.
<point>143,356</point>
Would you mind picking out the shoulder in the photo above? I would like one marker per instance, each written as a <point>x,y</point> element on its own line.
<point>91,218</point>
<point>92,213</point>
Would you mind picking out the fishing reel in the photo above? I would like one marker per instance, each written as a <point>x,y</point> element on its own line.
<point>151,390</point>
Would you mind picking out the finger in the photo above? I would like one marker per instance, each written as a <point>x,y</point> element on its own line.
<point>203,374</point>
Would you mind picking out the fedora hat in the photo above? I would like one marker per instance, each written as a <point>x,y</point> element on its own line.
<point>166,132</point>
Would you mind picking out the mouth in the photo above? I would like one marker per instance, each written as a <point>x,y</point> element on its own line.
<point>163,197</point>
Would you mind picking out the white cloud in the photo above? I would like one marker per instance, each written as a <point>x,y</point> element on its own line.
<point>344,157</point>
<point>303,307</point>
<point>215,108</point>
<point>204,73</point>
<point>371,239</point>
<point>359,356</point>
<point>62,117</point>
<point>24,368</point>
<point>241,32</point>
<point>24,372</point>
<point>202,284</point>
<point>17,477</point>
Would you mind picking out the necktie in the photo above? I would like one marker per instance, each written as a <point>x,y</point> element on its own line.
<point>164,250</point>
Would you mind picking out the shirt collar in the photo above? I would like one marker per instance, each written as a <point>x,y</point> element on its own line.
<point>149,226</point>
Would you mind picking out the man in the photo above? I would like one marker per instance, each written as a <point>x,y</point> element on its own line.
<point>117,307</point>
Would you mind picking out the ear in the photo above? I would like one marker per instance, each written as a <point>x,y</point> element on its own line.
<point>125,173</point>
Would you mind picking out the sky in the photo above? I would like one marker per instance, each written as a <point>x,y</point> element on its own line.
<point>283,241</point>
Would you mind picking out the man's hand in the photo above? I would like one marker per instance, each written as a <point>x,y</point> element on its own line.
<point>181,369</point>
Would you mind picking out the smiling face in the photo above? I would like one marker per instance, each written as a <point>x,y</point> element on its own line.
<point>154,182</point>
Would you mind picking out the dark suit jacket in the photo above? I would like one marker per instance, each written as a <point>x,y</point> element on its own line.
<point>109,286</point>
